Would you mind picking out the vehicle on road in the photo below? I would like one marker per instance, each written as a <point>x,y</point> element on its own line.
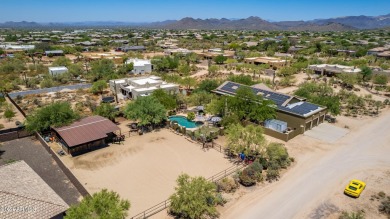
<point>355,188</point>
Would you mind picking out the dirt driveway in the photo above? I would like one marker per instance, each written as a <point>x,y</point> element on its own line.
<point>321,172</point>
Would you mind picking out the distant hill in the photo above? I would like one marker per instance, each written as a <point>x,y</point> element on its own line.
<point>251,23</point>
<point>22,24</point>
<point>359,22</point>
<point>321,27</point>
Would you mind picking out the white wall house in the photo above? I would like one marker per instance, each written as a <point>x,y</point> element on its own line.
<point>141,66</point>
<point>53,71</point>
<point>131,88</point>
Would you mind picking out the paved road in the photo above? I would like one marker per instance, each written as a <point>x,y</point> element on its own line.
<point>317,176</point>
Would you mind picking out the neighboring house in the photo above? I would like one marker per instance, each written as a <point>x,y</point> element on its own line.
<point>332,70</point>
<point>86,134</point>
<point>131,48</point>
<point>299,115</point>
<point>16,47</point>
<point>177,51</point>
<point>54,53</point>
<point>140,66</point>
<point>377,50</point>
<point>131,88</point>
<point>53,71</point>
<point>24,194</point>
<point>271,61</point>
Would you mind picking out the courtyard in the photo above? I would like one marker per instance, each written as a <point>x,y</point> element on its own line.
<point>144,168</point>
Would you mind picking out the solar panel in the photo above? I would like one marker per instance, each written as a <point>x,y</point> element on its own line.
<point>279,99</point>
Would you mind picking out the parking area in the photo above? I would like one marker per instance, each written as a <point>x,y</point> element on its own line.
<point>327,132</point>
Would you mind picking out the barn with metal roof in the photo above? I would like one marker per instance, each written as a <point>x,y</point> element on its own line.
<point>299,114</point>
<point>86,134</point>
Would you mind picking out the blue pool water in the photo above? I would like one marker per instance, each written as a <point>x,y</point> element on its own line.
<point>183,121</point>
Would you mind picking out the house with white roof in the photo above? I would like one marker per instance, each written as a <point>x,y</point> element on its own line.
<point>331,70</point>
<point>53,71</point>
<point>141,66</point>
<point>131,88</point>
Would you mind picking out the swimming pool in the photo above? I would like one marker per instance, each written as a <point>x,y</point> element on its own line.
<point>183,121</point>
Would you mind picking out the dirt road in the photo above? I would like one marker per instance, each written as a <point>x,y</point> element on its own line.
<point>316,176</point>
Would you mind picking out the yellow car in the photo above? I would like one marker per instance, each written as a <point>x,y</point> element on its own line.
<point>355,188</point>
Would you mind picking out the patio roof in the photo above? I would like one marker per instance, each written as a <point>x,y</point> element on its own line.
<point>86,130</point>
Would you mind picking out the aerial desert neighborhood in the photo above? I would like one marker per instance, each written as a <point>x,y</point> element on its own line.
<point>195,110</point>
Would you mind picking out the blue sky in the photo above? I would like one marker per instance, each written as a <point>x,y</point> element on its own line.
<point>154,10</point>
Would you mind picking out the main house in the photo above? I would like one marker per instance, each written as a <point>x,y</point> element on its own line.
<point>24,194</point>
<point>131,88</point>
<point>293,112</point>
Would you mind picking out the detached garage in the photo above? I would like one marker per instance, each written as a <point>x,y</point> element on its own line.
<point>86,134</point>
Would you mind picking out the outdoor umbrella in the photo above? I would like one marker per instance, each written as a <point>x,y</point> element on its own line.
<point>215,119</point>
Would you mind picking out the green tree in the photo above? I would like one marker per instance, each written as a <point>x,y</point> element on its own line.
<point>54,115</point>
<point>248,105</point>
<point>194,198</point>
<point>99,86</point>
<point>242,79</point>
<point>200,98</point>
<point>188,82</point>
<point>102,68</point>
<point>220,59</point>
<point>167,100</point>
<point>103,204</point>
<point>217,106</point>
<point>184,69</point>
<point>366,72</point>
<point>248,140</point>
<point>62,61</point>
<point>107,110</point>
<point>191,116</point>
<point>76,70</point>
<point>207,85</point>
<point>147,110</point>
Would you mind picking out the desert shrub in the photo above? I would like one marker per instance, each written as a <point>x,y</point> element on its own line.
<point>248,177</point>
<point>258,168</point>
<point>384,207</point>
<point>219,200</point>
<point>381,194</point>
<point>273,171</point>
<point>278,154</point>
<point>351,215</point>
<point>227,185</point>
<point>1,126</point>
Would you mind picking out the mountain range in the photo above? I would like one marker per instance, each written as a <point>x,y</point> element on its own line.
<point>251,23</point>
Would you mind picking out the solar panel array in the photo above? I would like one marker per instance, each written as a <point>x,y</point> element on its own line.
<point>278,98</point>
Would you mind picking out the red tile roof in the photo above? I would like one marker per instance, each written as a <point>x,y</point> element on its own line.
<point>86,130</point>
